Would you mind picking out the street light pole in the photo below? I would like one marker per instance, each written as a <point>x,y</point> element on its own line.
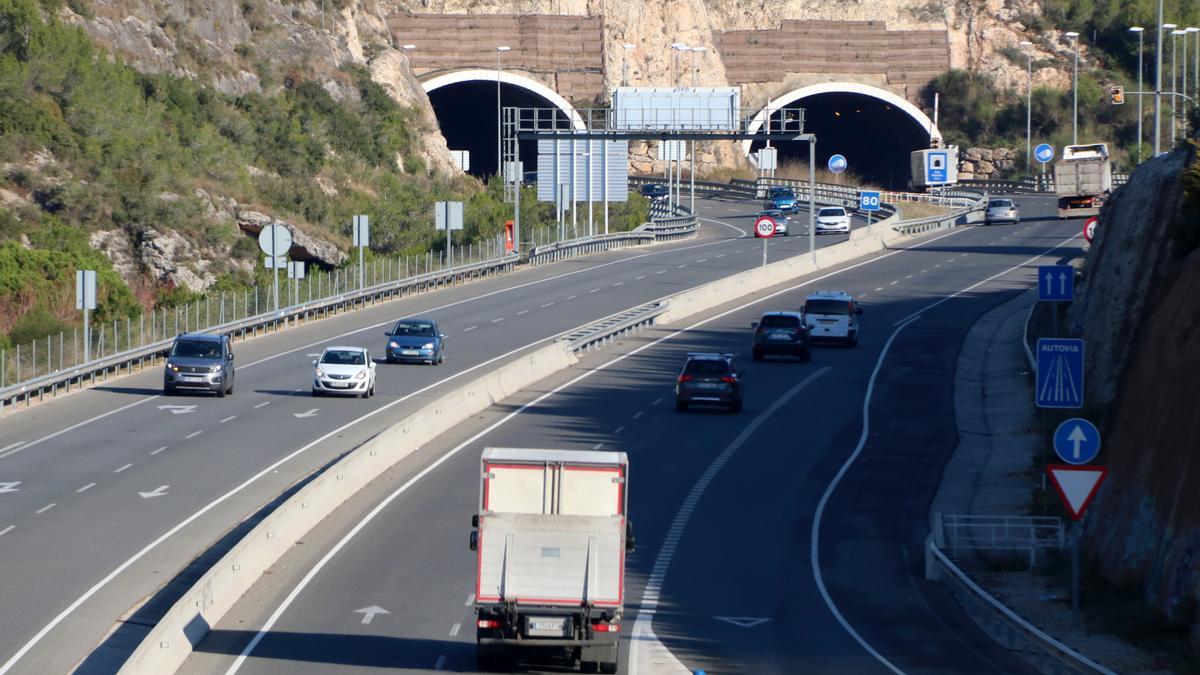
<point>1195,65</point>
<point>1140,32</point>
<point>1074,38</point>
<point>1158,80</point>
<point>1174,83</point>
<point>499,132</point>
<point>1026,45</point>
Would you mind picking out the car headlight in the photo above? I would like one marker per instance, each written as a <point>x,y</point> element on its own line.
<point>393,344</point>
<point>215,369</point>
<point>361,375</point>
<point>320,373</point>
<point>428,345</point>
<point>172,367</point>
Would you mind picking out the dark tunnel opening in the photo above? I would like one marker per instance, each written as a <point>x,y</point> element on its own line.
<point>466,113</point>
<point>875,136</point>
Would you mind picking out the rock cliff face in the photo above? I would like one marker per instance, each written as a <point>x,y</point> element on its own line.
<point>1139,313</point>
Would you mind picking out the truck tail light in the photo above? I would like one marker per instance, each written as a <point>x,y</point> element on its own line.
<point>606,628</point>
<point>685,378</point>
<point>487,623</point>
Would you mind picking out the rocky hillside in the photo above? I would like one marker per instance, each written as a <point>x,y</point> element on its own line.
<point>1140,314</point>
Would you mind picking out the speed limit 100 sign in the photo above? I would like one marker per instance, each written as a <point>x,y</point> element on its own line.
<point>764,227</point>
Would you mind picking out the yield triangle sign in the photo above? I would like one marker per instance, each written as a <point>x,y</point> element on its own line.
<point>1077,485</point>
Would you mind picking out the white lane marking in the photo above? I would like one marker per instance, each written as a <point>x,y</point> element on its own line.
<point>661,272</point>
<point>924,271</point>
<point>937,264</point>
<point>262,404</point>
<point>227,419</point>
<point>618,430</point>
<point>547,305</point>
<point>195,433</point>
<point>454,629</point>
<point>639,278</point>
<point>619,283</point>
<point>122,468</point>
<point>87,487</point>
<point>879,289</point>
<point>720,255</point>
<point>908,276</point>
<point>7,530</point>
<point>497,320</point>
<point>662,562</point>
<point>5,454</point>
<point>10,486</point>
<point>468,330</point>
<point>702,260</point>
<point>894,282</point>
<point>470,600</point>
<point>572,297</point>
<point>738,251</point>
<point>679,267</point>
<point>524,311</point>
<point>594,290</point>
<point>155,452</point>
<point>441,661</point>
<point>637,414</point>
<point>45,508</point>
<point>656,401</point>
<point>11,446</point>
<point>740,231</point>
<point>381,506</point>
<point>598,445</point>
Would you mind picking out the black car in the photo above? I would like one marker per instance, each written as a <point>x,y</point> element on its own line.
<point>709,379</point>
<point>782,333</point>
<point>655,192</point>
<point>415,340</point>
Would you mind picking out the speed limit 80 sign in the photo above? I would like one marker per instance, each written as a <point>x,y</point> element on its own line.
<point>868,200</point>
<point>764,227</point>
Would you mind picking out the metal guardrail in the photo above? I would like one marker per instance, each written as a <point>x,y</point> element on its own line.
<point>999,533</point>
<point>1046,653</point>
<point>608,329</point>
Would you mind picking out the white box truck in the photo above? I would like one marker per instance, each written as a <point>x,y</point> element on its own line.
<point>1082,180</point>
<point>550,540</point>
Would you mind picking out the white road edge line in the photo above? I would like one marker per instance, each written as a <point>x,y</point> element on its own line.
<point>320,564</point>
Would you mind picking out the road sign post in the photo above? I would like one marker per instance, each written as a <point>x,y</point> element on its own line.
<point>764,228</point>
<point>1077,441</point>
<point>448,216</point>
<point>295,272</point>
<point>837,164</point>
<point>1077,486</point>
<point>275,240</point>
<point>868,202</point>
<point>1056,283</point>
<point>1059,373</point>
<point>85,299</point>
<point>1043,153</point>
<point>362,237</point>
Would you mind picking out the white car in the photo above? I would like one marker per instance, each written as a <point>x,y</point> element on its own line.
<point>833,219</point>
<point>344,370</point>
<point>1001,210</point>
<point>832,315</point>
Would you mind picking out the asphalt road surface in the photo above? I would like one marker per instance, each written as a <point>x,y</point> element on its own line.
<point>107,494</point>
<point>803,518</point>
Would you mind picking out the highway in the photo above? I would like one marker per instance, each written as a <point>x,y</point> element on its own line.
<point>107,494</point>
<point>802,518</point>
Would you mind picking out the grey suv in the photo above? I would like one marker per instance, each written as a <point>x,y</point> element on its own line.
<point>782,333</point>
<point>199,362</point>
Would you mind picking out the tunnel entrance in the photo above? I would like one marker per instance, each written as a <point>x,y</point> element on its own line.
<point>465,106</point>
<point>875,130</point>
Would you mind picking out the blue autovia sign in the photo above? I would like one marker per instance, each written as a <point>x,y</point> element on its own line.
<point>868,200</point>
<point>1059,373</point>
<point>935,167</point>
<point>1077,441</point>
<point>1043,153</point>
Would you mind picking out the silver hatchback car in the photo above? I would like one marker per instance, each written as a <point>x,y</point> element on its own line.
<point>1001,211</point>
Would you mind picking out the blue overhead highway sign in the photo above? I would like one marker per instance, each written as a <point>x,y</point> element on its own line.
<point>1077,441</point>
<point>868,200</point>
<point>1059,373</point>
<point>1056,282</point>
<point>1043,153</point>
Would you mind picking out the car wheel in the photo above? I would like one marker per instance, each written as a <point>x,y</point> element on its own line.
<point>221,392</point>
<point>756,355</point>
<point>680,406</point>
<point>168,391</point>
<point>736,407</point>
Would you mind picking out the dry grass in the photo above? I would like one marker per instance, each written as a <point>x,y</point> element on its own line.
<point>910,210</point>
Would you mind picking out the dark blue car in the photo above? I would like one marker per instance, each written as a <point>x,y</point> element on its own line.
<point>782,199</point>
<point>415,340</point>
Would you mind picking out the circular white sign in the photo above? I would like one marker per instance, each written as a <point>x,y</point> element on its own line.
<point>1089,229</point>
<point>838,163</point>
<point>275,240</point>
<point>764,227</point>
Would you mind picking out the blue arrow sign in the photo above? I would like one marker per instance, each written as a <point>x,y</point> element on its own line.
<point>838,163</point>
<point>868,200</point>
<point>1056,283</point>
<point>1059,373</point>
<point>1043,153</point>
<point>1077,441</point>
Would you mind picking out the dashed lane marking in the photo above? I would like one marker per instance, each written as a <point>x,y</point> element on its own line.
<point>46,508</point>
<point>122,468</point>
<point>87,487</point>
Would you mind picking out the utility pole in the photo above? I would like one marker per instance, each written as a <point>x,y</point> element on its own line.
<point>1140,32</point>
<point>1027,45</point>
<point>1074,38</point>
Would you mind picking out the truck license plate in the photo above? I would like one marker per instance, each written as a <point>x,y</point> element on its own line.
<point>547,626</point>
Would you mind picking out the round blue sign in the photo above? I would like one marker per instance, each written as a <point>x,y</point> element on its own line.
<point>1077,441</point>
<point>837,163</point>
<point>1044,152</point>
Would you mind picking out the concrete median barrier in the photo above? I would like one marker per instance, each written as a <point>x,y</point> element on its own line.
<point>187,622</point>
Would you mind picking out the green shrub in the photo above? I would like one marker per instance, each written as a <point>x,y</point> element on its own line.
<point>35,324</point>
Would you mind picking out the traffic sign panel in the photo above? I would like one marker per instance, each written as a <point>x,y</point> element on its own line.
<point>868,200</point>
<point>1056,283</point>
<point>936,170</point>
<point>1059,373</point>
<point>1089,228</point>
<point>1077,485</point>
<point>1043,153</point>
<point>275,240</point>
<point>837,163</point>
<point>764,227</point>
<point>1077,441</point>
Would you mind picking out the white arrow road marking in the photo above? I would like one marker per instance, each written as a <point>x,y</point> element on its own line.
<point>178,409</point>
<point>310,413</point>
<point>10,486</point>
<point>159,491</point>
<point>742,621</point>
<point>370,612</point>
<point>310,355</point>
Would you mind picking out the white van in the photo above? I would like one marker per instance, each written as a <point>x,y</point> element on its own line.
<point>832,315</point>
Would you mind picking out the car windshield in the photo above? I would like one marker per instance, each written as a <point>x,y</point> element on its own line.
<point>344,357</point>
<point>831,211</point>
<point>197,349</point>
<point>1000,203</point>
<point>782,192</point>
<point>826,307</point>
<point>414,328</point>
<point>706,367</point>
<point>780,321</point>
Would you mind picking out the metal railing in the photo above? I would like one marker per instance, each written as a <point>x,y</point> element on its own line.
<point>1040,183</point>
<point>610,328</point>
<point>1027,534</point>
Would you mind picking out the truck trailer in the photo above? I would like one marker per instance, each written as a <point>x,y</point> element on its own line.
<point>1082,180</point>
<point>550,540</point>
